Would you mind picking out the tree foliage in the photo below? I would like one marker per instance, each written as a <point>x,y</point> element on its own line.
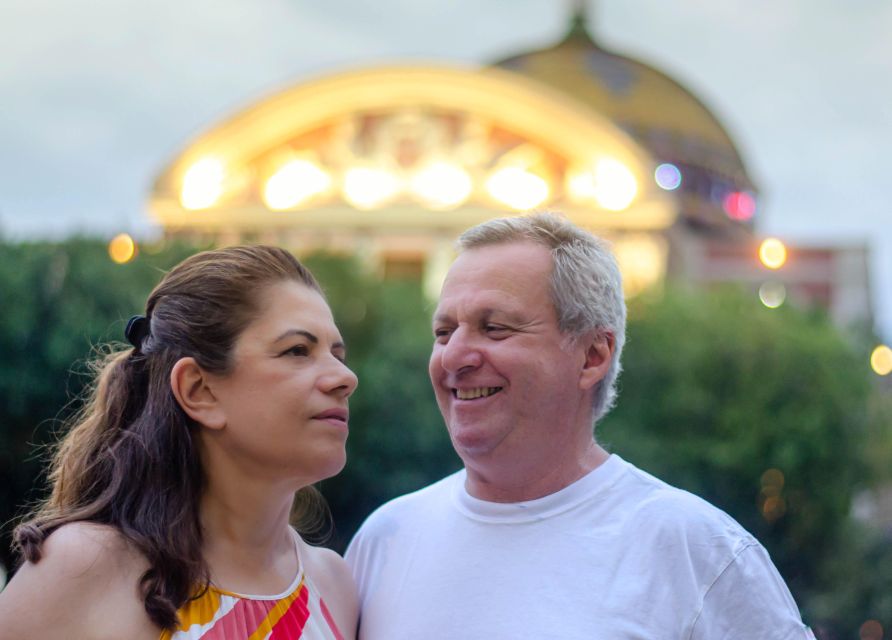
<point>762,412</point>
<point>59,301</point>
<point>397,440</point>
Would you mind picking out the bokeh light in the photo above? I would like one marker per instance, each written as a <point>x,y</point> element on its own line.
<point>202,184</point>
<point>871,630</point>
<point>881,360</point>
<point>366,188</point>
<point>772,481</point>
<point>668,176</point>
<point>772,253</point>
<point>616,186</point>
<point>517,188</point>
<point>295,182</point>
<point>122,248</point>
<point>773,508</point>
<point>608,182</point>
<point>442,185</point>
<point>773,505</point>
<point>772,294</point>
<point>739,205</point>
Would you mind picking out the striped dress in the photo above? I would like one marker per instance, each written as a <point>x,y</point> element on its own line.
<point>298,612</point>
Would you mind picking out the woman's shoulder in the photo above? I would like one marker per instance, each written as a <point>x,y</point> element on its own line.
<point>87,545</point>
<point>331,576</point>
<point>81,555</point>
<point>87,577</point>
<point>87,555</point>
<point>323,561</point>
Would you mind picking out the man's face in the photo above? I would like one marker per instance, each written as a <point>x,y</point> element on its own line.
<point>506,380</point>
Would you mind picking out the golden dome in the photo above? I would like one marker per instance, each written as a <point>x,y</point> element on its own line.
<point>655,110</point>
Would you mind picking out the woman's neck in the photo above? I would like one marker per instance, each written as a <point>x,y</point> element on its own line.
<point>247,541</point>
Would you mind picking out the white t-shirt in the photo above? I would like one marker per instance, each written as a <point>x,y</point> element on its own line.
<point>616,555</point>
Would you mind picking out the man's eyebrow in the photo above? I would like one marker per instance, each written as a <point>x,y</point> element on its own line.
<point>299,332</point>
<point>484,315</point>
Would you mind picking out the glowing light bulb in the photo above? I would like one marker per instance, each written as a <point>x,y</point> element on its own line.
<point>296,182</point>
<point>616,186</point>
<point>122,248</point>
<point>668,177</point>
<point>442,185</point>
<point>772,253</point>
<point>517,188</point>
<point>609,183</point>
<point>202,184</point>
<point>366,188</point>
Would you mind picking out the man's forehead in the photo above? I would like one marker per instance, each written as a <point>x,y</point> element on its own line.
<point>501,264</point>
<point>479,308</point>
<point>485,300</point>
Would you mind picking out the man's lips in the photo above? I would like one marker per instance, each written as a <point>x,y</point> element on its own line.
<point>474,393</point>
<point>333,414</point>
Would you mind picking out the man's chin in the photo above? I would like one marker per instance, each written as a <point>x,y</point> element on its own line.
<point>473,442</point>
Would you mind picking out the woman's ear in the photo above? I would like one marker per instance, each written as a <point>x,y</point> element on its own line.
<point>598,358</point>
<point>190,387</point>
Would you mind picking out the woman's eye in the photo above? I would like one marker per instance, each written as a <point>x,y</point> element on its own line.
<point>297,350</point>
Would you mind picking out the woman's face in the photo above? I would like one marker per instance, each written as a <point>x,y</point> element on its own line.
<point>285,400</point>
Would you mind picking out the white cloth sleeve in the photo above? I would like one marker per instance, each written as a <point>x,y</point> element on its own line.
<point>749,600</point>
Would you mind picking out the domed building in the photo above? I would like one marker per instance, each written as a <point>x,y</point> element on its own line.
<point>705,169</point>
<point>392,163</point>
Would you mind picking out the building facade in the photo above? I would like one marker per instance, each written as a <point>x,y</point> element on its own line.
<point>391,163</point>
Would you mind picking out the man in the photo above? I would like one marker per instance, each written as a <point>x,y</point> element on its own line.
<point>544,534</point>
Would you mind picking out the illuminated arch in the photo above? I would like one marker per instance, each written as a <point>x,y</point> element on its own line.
<point>521,120</point>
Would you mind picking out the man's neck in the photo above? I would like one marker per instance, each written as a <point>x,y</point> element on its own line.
<point>493,482</point>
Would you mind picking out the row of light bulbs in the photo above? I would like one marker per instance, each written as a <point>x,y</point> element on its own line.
<point>437,185</point>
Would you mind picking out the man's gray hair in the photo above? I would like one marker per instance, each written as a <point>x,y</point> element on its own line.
<point>586,285</point>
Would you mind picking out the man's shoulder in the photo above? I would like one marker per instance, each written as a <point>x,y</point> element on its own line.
<point>670,512</point>
<point>412,506</point>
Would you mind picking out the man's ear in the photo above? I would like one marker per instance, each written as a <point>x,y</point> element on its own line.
<point>598,357</point>
<point>190,387</point>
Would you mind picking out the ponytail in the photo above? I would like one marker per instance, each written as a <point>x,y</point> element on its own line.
<point>129,459</point>
<point>110,468</point>
<point>80,469</point>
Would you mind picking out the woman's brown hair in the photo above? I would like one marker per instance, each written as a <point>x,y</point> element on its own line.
<point>130,459</point>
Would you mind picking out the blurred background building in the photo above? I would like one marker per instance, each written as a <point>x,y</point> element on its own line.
<point>392,163</point>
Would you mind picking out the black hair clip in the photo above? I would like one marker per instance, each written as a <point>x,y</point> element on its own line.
<point>136,331</point>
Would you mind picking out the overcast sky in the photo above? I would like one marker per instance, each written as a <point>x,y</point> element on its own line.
<point>95,97</point>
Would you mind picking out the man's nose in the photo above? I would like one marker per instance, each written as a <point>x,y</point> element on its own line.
<point>461,352</point>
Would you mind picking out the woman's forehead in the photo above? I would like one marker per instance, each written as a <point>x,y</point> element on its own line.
<point>291,305</point>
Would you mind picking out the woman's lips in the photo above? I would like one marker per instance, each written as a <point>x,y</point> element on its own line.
<point>336,417</point>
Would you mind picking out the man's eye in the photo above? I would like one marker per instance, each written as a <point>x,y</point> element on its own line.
<point>440,334</point>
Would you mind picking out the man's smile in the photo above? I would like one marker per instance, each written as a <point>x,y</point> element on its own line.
<point>474,393</point>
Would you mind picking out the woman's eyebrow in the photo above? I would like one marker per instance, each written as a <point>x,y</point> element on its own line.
<point>298,332</point>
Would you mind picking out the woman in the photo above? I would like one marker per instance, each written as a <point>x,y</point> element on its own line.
<point>171,494</point>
